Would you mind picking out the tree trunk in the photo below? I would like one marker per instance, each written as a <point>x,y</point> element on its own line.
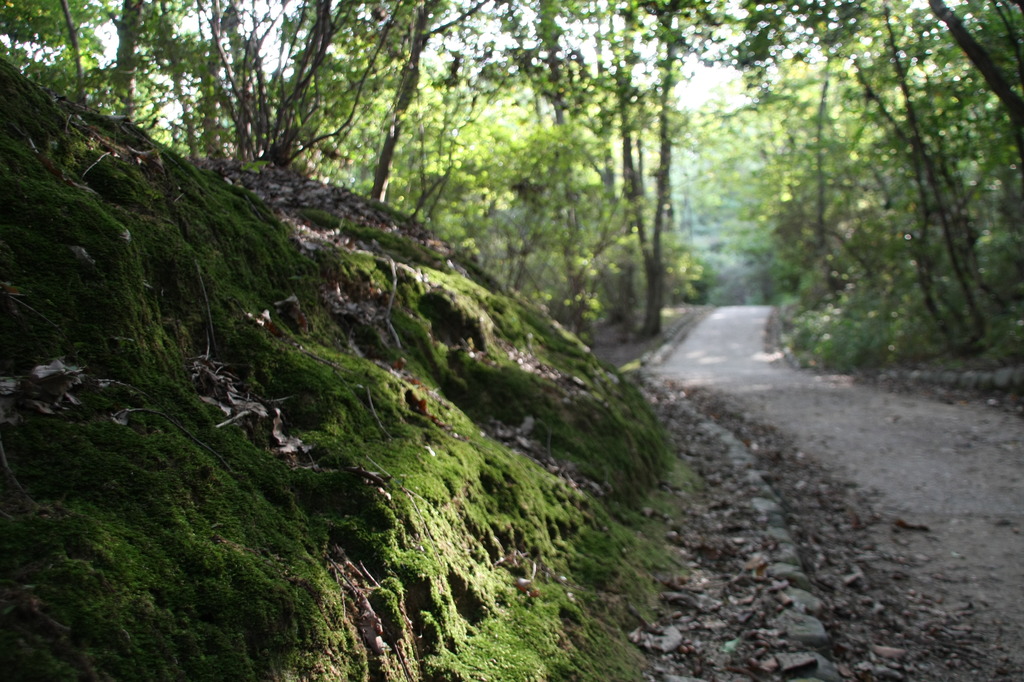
<point>76,52</point>
<point>982,61</point>
<point>654,266</point>
<point>407,87</point>
<point>125,70</point>
<point>820,225</point>
<point>935,205</point>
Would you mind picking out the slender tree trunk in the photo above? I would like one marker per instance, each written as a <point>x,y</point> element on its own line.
<point>935,202</point>
<point>76,52</point>
<point>820,224</point>
<point>407,87</point>
<point>126,68</point>
<point>654,266</point>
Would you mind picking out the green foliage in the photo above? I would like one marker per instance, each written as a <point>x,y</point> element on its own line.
<point>879,226</point>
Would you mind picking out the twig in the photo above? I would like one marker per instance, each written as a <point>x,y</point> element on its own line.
<point>430,536</point>
<point>210,339</point>
<point>369,397</point>
<point>18,301</point>
<point>11,477</point>
<point>183,430</point>
<point>104,382</point>
<point>368,575</point>
<point>238,416</point>
<point>391,301</point>
<point>102,156</point>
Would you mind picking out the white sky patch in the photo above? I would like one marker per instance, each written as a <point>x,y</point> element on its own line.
<point>701,84</point>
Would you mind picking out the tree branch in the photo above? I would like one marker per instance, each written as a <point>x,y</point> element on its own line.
<point>982,61</point>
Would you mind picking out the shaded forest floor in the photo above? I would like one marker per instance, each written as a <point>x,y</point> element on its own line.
<point>620,346</point>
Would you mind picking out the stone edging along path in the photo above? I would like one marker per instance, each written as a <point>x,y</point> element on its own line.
<point>1003,379</point>
<point>781,575</point>
<point>797,622</point>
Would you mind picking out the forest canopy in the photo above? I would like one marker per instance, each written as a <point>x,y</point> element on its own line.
<point>867,165</point>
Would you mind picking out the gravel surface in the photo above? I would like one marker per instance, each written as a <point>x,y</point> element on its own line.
<point>845,532</point>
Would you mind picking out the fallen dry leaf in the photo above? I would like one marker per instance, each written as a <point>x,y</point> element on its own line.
<point>906,525</point>
<point>290,308</point>
<point>888,651</point>
<point>263,320</point>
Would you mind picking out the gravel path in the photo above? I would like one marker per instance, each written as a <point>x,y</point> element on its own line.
<point>928,496</point>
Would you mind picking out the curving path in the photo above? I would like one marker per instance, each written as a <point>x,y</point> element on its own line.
<point>956,468</point>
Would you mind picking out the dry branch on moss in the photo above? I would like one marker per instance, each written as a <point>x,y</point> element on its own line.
<point>121,417</point>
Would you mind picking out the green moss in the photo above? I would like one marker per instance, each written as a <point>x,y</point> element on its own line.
<point>160,543</point>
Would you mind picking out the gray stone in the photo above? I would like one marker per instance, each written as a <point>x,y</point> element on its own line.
<point>766,506</point>
<point>1018,377</point>
<point>779,534</point>
<point>807,630</point>
<point>776,518</point>
<point>804,601</point>
<point>756,477</point>
<point>791,573</point>
<point>811,665</point>
<point>785,553</point>
<point>949,378</point>
<point>667,642</point>
<point>968,379</point>
<point>984,380</point>
<point>1003,378</point>
<point>791,663</point>
<point>740,456</point>
<point>677,678</point>
<point>827,671</point>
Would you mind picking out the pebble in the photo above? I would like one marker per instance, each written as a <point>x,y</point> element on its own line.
<point>804,601</point>
<point>765,506</point>
<point>786,553</point>
<point>791,573</point>
<point>805,629</point>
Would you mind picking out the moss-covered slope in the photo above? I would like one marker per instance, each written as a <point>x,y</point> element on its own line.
<point>236,451</point>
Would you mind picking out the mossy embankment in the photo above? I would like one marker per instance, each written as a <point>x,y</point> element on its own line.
<point>263,456</point>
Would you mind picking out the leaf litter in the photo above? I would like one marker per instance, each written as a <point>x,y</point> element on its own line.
<point>719,615</point>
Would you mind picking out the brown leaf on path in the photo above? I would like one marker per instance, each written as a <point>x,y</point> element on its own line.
<point>667,640</point>
<point>888,651</point>
<point>793,662</point>
<point>757,563</point>
<point>906,525</point>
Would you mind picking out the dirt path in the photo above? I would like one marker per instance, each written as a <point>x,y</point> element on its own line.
<point>945,481</point>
